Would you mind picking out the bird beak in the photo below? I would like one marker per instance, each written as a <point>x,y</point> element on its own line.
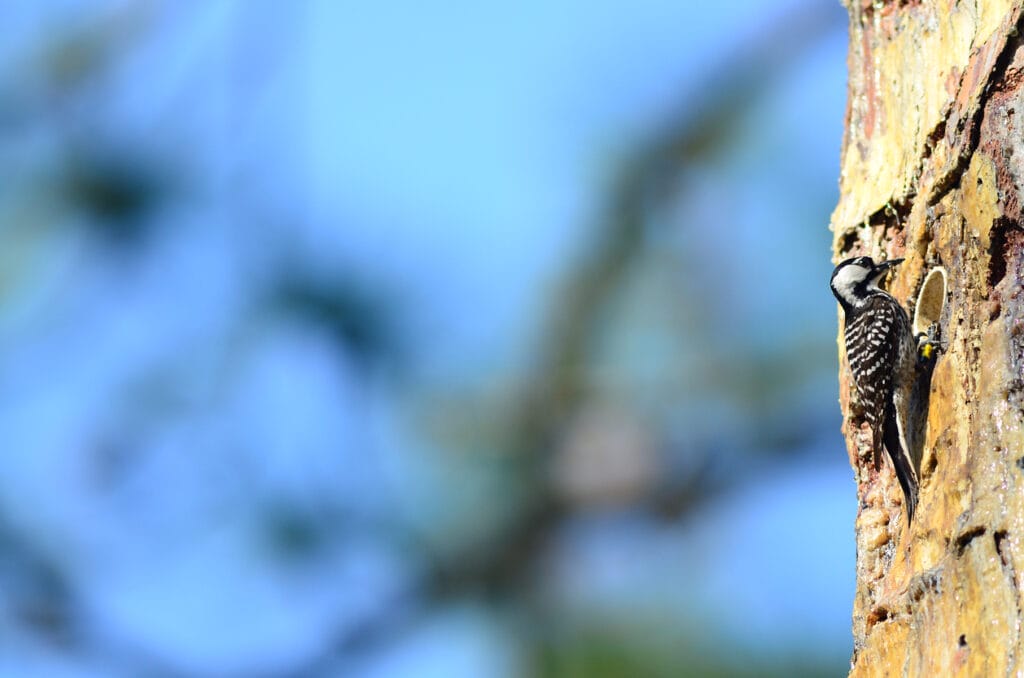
<point>883,268</point>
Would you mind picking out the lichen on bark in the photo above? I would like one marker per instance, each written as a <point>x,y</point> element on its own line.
<point>932,170</point>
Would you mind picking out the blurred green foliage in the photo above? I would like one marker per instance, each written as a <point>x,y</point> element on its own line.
<point>498,443</point>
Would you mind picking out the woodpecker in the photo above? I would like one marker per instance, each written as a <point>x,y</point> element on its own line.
<point>882,353</point>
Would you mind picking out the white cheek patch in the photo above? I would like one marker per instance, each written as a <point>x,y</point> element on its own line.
<point>848,278</point>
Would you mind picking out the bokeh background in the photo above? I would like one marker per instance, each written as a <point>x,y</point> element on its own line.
<point>389,339</point>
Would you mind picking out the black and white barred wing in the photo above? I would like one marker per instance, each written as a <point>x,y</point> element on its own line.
<point>872,341</point>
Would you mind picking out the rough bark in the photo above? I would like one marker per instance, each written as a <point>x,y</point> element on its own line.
<point>932,170</point>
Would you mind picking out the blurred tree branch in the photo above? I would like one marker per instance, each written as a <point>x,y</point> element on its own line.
<point>699,128</point>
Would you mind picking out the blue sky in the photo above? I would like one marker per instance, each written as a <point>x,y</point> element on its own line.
<point>452,157</point>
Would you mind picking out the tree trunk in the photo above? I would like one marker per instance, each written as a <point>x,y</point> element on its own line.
<point>932,170</point>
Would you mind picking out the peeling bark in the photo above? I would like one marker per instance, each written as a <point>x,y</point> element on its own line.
<point>932,170</point>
